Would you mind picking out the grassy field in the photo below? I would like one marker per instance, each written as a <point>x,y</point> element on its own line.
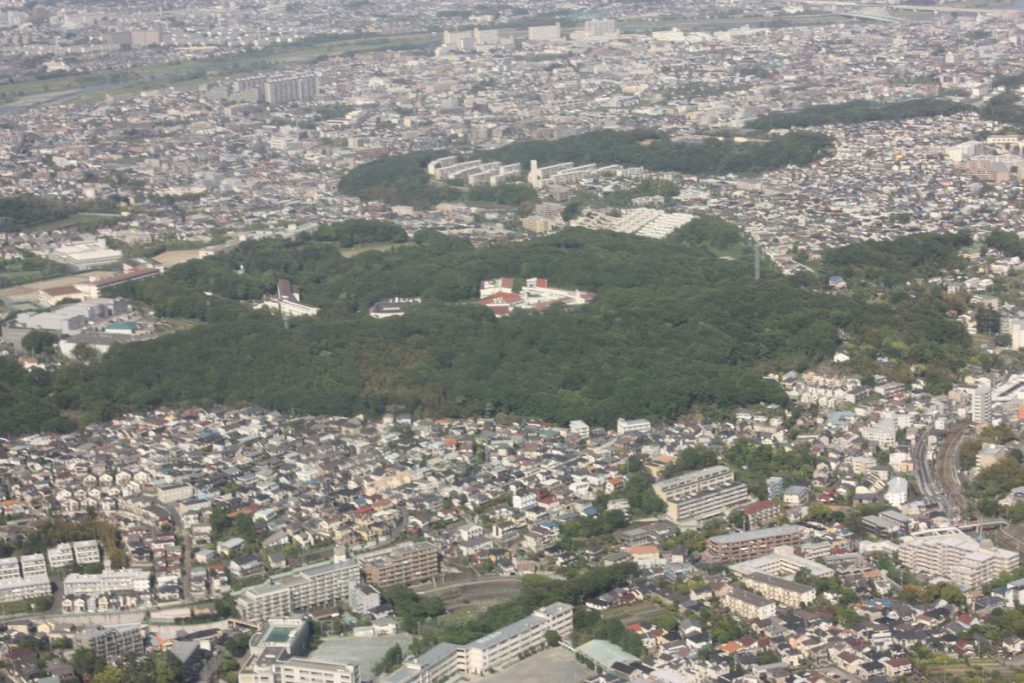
<point>83,220</point>
<point>640,611</point>
<point>983,668</point>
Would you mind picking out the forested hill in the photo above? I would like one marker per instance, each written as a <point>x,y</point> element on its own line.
<point>402,179</point>
<point>674,327</point>
<point>858,111</point>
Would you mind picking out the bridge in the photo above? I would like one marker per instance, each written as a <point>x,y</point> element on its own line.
<point>881,14</point>
<point>982,524</point>
<point>867,11</point>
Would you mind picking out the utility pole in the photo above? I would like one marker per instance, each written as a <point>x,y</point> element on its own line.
<point>757,260</point>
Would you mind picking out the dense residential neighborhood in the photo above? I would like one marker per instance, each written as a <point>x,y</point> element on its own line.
<point>798,460</point>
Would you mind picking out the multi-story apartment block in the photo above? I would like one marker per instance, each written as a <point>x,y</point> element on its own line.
<point>172,493</point>
<point>492,652</point>
<point>277,655</point>
<point>86,552</point>
<point>693,482</point>
<point>309,588</point>
<point>33,566</point>
<point>10,568</point>
<point>13,590</point>
<point>702,494</point>
<point>107,581</point>
<point>111,642</point>
<point>60,555</point>
<point>22,579</point>
<point>402,564</point>
<point>786,592</point>
<point>707,504</point>
<point>951,554</point>
<point>503,647</point>
<point>747,605</point>
<point>746,545</point>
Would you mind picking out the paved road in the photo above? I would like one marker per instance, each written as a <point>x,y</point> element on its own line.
<point>186,562</point>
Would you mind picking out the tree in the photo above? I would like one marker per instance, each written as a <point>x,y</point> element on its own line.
<point>573,208</point>
<point>85,662</point>
<point>391,660</point>
<point>110,674</point>
<point>167,668</point>
<point>737,518</point>
<point>39,342</point>
<point>552,638</point>
<point>84,353</point>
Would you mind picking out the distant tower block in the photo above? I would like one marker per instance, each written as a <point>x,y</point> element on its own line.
<point>757,261</point>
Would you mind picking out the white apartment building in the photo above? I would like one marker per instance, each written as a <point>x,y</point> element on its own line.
<point>60,555</point>
<point>503,647</point>
<point>951,554</point>
<point>10,568</point>
<point>34,566</point>
<point>747,605</point>
<point>981,403</point>
<point>492,652</point>
<point>693,482</point>
<point>13,590</point>
<point>579,428</point>
<point>107,581</point>
<point>275,656</point>
<point>308,588</point>
<point>898,492</point>
<point>303,670</point>
<point>172,493</point>
<point>707,504</point>
<point>639,426</point>
<point>783,591</point>
<point>701,494</point>
<point>782,561</point>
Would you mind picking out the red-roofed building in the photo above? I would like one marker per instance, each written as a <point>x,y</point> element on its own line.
<point>762,513</point>
<point>54,295</point>
<point>93,288</point>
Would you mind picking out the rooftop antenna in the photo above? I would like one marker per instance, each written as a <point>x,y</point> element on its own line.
<point>757,260</point>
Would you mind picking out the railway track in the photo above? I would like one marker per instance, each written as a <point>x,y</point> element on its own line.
<point>947,474</point>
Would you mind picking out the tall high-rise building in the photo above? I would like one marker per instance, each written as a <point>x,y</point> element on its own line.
<point>981,403</point>
<point>544,34</point>
<point>297,88</point>
<point>600,28</point>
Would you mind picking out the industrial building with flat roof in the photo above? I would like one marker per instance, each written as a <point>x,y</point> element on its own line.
<point>69,319</point>
<point>85,255</point>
